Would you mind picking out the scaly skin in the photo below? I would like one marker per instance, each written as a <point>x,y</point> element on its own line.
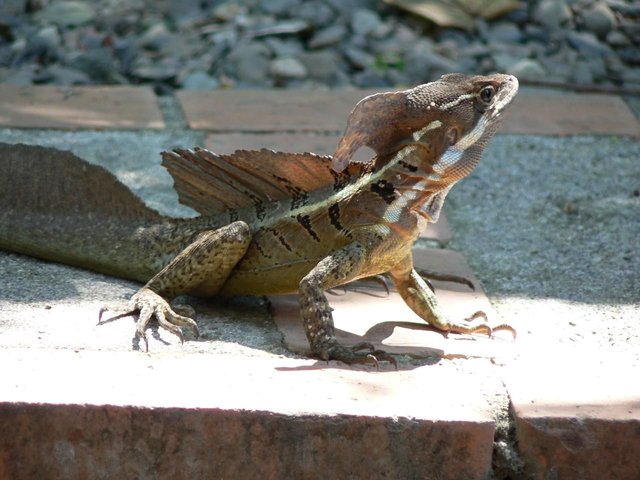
<point>361,224</point>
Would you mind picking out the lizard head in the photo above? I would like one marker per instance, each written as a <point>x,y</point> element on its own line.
<point>453,118</point>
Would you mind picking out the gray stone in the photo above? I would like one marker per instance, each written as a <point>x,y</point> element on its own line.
<point>598,18</point>
<point>61,75</point>
<point>156,38</point>
<point>316,14</point>
<point>250,62</point>
<point>503,32</point>
<point>50,36</point>
<point>12,8</point>
<point>21,76</point>
<point>156,72</point>
<point>67,13</point>
<point>365,21</point>
<point>200,80</point>
<point>581,74</point>
<point>287,68</point>
<point>616,38</point>
<point>552,14</point>
<point>370,79</point>
<point>227,11</point>
<point>322,65</point>
<point>359,58</point>
<point>631,75</point>
<point>280,7</point>
<point>328,36</point>
<point>528,69</point>
<point>423,64</point>
<point>587,43</point>
<point>281,47</point>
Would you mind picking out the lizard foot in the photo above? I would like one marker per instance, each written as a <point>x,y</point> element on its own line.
<point>363,352</point>
<point>147,304</point>
<point>469,326</point>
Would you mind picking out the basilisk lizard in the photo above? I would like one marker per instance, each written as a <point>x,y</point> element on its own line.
<point>270,222</point>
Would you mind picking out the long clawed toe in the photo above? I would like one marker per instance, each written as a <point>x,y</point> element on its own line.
<point>468,325</point>
<point>361,353</point>
<point>146,305</point>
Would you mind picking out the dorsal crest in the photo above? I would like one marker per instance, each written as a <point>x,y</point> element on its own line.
<point>211,183</point>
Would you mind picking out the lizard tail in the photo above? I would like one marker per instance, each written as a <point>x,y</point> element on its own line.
<point>56,206</point>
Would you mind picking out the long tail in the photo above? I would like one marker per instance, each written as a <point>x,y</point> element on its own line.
<point>56,206</point>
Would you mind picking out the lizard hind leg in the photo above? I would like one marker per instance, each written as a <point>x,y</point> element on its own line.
<point>201,268</point>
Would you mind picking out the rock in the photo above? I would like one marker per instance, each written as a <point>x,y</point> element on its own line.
<point>552,14</point>
<point>359,58</point>
<point>328,36</point>
<point>21,76</point>
<point>200,80</point>
<point>503,32</point>
<point>587,43</point>
<point>581,74</point>
<point>316,14</point>
<point>61,75</point>
<point>156,72</point>
<point>156,38</point>
<point>227,11</point>
<point>280,7</point>
<point>284,47</point>
<point>322,65</point>
<point>370,79</point>
<point>250,62</point>
<point>631,75</point>
<point>528,69</point>
<point>67,13</point>
<point>50,36</point>
<point>423,64</point>
<point>598,19</point>
<point>12,8</point>
<point>287,68</point>
<point>365,21</point>
<point>616,38</point>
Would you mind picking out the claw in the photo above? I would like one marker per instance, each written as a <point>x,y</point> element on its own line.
<point>147,304</point>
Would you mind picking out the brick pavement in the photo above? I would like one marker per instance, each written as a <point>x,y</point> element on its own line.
<point>399,415</point>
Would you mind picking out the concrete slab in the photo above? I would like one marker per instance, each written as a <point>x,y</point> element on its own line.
<point>121,107</point>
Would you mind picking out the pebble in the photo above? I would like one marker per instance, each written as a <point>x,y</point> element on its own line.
<point>250,62</point>
<point>208,44</point>
<point>552,14</point>
<point>528,69</point>
<point>200,80</point>
<point>598,19</point>
<point>67,14</point>
<point>287,69</point>
<point>328,36</point>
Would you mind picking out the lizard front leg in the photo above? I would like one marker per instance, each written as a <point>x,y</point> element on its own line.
<point>416,293</point>
<point>336,269</point>
<point>202,267</point>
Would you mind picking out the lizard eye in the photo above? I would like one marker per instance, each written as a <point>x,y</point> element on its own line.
<point>487,93</point>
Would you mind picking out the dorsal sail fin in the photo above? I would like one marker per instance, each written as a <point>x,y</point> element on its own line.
<point>211,183</point>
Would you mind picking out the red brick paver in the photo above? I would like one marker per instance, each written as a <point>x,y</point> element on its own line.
<point>79,107</point>
<point>269,110</point>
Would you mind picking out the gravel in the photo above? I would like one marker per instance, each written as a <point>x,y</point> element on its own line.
<point>212,44</point>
